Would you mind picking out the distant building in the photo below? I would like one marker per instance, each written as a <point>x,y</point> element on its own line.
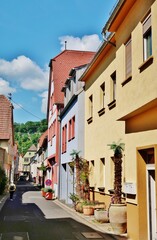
<point>27,160</point>
<point>72,130</point>
<point>41,160</point>
<point>6,136</point>
<point>60,67</point>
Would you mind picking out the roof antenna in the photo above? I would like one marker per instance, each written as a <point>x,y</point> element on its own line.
<point>65,45</point>
<point>10,96</point>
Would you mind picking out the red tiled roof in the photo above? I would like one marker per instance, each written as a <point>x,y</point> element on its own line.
<point>32,148</point>
<point>42,138</point>
<point>6,118</point>
<point>61,65</point>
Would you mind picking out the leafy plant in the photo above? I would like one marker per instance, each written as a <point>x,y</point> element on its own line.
<point>3,181</point>
<point>74,197</point>
<point>82,174</point>
<point>50,190</point>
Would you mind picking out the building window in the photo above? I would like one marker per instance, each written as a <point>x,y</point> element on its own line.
<point>102,172</point>
<point>147,38</point>
<point>102,89</point>
<point>91,106</point>
<point>102,99</point>
<point>112,104</point>
<point>71,130</point>
<point>128,59</point>
<point>90,109</point>
<point>64,139</point>
<point>113,85</point>
<point>69,127</point>
<point>54,128</point>
<point>73,127</point>
<point>26,160</point>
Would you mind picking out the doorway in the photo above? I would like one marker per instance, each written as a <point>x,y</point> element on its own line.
<point>151,201</point>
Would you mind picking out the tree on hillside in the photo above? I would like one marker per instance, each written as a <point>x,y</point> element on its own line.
<point>28,133</point>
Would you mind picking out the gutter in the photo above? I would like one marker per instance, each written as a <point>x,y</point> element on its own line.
<point>113,15</point>
<point>100,50</point>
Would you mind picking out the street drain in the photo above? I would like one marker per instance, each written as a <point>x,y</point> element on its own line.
<point>15,236</point>
<point>91,235</point>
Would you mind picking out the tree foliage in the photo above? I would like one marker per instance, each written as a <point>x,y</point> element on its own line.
<point>3,181</point>
<point>28,133</point>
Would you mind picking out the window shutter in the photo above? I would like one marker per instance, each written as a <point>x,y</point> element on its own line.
<point>128,58</point>
<point>147,24</point>
<point>65,138</point>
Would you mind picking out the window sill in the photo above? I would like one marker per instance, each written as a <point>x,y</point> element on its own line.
<point>101,112</point>
<point>146,64</point>
<point>101,189</point>
<point>128,79</point>
<point>90,120</point>
<point>112,104</point>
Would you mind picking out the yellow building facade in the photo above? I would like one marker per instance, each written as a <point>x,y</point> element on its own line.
<point>121,106</point>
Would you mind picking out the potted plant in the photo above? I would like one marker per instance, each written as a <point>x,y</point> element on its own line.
<point>74,198</point>
<point>48,193</point>
<point>101,215</point>
<point>117,209</point>
<point>88,208</point>
<point>82,175</point>
<point>43,192</point>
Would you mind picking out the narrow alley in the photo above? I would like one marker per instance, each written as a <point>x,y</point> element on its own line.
<point>30,217</point>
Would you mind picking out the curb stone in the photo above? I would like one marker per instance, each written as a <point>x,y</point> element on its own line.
<point>89,220</point>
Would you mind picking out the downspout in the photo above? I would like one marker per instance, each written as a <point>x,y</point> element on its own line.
<point>59,154</point>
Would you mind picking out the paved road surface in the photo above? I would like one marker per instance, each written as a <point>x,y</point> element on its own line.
<point>30,217</point>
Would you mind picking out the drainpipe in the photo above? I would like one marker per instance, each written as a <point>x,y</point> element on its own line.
<point>59,154</point>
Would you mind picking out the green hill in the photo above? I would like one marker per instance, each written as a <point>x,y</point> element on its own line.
<point>28,133</point>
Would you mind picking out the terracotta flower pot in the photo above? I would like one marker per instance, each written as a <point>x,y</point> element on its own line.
<point>79,207</point>
<point>43,193</point>
<point>88,210</point>
<point>118,218</point>
<point>48,195</point>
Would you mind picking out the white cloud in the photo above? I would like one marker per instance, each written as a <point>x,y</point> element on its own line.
<point>44,97</point>
<point>5,88</point>
<point>86,43</point>
<point>25,72</point>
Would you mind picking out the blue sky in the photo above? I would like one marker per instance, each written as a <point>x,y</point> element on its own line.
<point>34,31</point>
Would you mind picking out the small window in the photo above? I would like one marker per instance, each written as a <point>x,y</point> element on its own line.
<point>113,83</point>
<point>147,38</point>
<point>102,97</point>
<point>112,103</point>
<point>128,59</point>
<point>71,129</point>
<point>26,159</point>
<point>91,106</point>
<point>90,110</point>
<point>92,162</point>
<point>102,161</point>
<point>64,139</point>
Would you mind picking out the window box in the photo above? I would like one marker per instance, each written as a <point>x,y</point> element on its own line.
<point>101,112</point>
<point>146,64</point>
<point>128,79</point>
<point>101,189</point>
<point>112,104</point>
<point>89,120</point>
